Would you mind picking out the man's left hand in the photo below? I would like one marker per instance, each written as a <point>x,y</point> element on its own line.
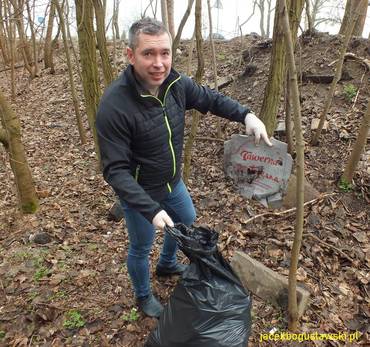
<point>254,126</point>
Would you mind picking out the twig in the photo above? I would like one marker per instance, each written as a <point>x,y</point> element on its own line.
<point>287,211</point>
<point>205,138</point>
<point>358,91</point>
<point>329,246</point>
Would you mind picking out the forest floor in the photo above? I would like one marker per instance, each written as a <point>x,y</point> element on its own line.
<point>74,290</point>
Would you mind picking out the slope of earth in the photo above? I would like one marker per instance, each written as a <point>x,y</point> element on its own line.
<point>73,290</point>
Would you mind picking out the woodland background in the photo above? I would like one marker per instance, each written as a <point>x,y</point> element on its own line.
<point>63,279</point>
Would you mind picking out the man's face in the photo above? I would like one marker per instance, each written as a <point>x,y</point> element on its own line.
<point>151,59</point>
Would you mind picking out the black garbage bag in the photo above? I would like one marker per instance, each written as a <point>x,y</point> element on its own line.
<point>209,306</point>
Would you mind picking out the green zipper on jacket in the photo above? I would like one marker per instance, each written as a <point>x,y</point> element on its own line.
<point>163,104</point>
<point>137,172</point>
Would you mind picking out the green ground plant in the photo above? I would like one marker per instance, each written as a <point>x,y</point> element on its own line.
<point>345,186</point>
<point>132,316</point>
<point>74,320</point>
<point>350,91</point>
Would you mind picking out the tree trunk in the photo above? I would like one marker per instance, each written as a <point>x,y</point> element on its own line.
<point>23,44</point>
<point>292,290</point>
<point>170,16</point>
<point>214,63</point>
<point>349,13</point>
<point>338,72</point>
<point>115,19</point>
<point>90,79</point>
<point>274,85</point>
<point>261,6</point>
<point>27,197</point>
<point>164,13</point>
<point>80,127</point>
<point>33,38</point>
<point>268,18</point>
<point>309,17</point>
<point>176,40</point>
<point>48,49</point>
<point>102,42</point>
<point>4,47</point>
<point>357,148</point>
<point>13,56</point>
<point>198,78</point>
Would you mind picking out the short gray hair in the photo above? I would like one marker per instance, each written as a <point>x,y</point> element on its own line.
<point>145,25</point>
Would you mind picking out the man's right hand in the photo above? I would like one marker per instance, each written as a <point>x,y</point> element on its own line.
<point>161,219</point>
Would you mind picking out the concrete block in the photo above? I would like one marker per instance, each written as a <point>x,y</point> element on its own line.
<point>266,283</point>
<point>115,213</point>
<point>315,124</point>
<point>280,128</point>
<point>290,197</point>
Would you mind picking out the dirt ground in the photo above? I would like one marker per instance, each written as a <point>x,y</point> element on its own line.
<point>74,290</point>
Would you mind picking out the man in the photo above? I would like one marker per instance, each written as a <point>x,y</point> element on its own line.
<point>140,126</point>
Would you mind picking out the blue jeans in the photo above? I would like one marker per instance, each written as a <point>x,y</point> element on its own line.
<point>180,208</point>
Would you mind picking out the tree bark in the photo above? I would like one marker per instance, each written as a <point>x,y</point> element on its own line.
<point>274,85</point>
<point>102,42</point>
<point>89,70</point>
<point>214,63</point>
<point>23,44</point>
<point>27,197</point>
<point>48,48</point>
<point>349,13</point>
<point>177,38</point>
<point>4,47</point>
<point>357,149</point>
<point>80,127</point>
<point>292,290</point>
<point>11,38</point>
<point>338,72</point>
<point>115,19</point>
<point>171,17</point>
<point>33,39</point>
<point>198,78</point>
<point>309,17</point>
<point>164,13</point>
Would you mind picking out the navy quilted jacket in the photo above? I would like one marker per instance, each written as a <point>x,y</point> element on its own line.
<point>141,136</point>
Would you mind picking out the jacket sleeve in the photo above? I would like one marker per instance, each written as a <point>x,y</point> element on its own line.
<point>114,134</point>
<point>205,99</point>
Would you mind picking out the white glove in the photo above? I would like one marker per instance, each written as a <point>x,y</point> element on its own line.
<point>254,126</point>
<point>161,219</point>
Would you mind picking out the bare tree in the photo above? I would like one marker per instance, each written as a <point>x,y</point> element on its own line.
<point>171,17</point>
<point>48,48</point>
<point>10,137</point>
<point>176,40</point>
<point>33,38</point>
<point>4,47</point>
<point>80,127</point>
<point>360,18</point>
<point>164,13</point>
<point>265,16</point>
<point>116,4</point>
<point>357,149</point>
<point>102,42</point>
<point>18,7</point>
<point>274,85</point>
<point>11,31</point>
<point>90,79</point>
<point>338,70</point>
<point>298,232</point>
<point>214,62</point>
<point>198,78</point>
